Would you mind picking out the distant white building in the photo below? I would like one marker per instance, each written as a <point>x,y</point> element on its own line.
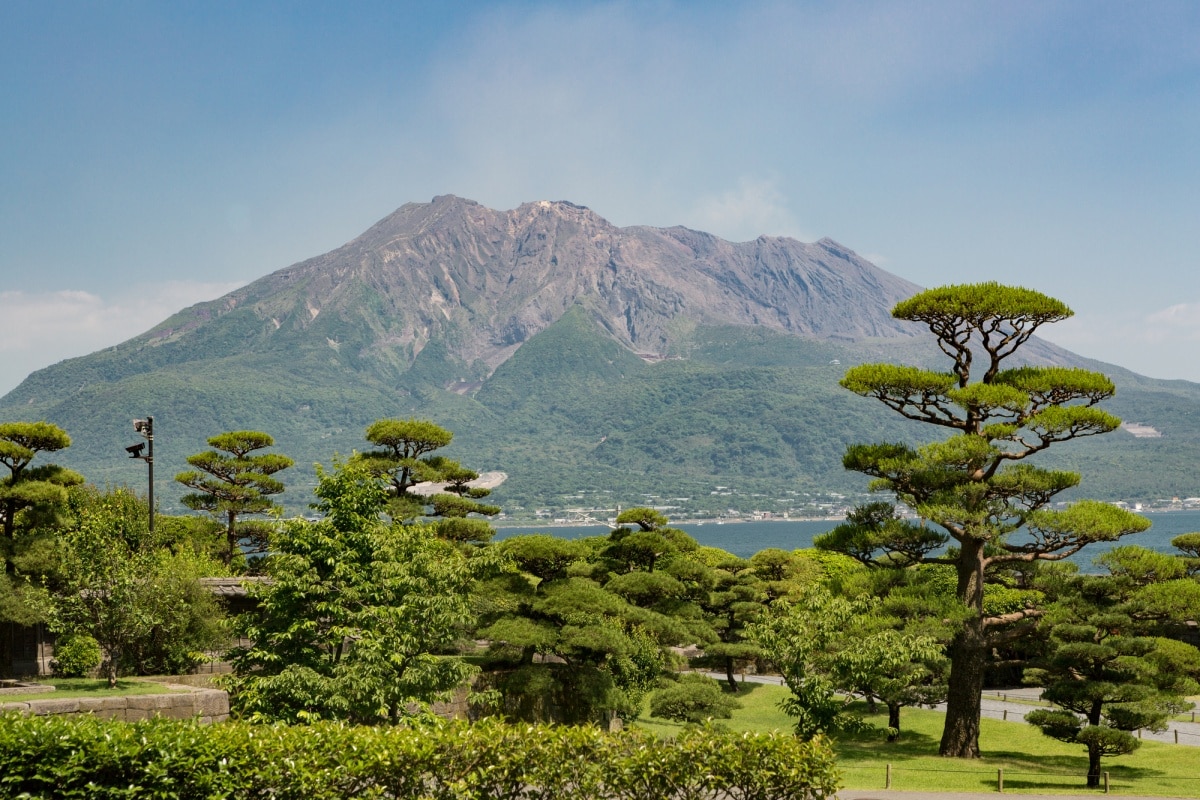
<point>1140,431</point>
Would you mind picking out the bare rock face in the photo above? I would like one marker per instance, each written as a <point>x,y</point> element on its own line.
<point>484,281</point>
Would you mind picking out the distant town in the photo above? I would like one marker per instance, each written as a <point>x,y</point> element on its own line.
<point>589,507</point>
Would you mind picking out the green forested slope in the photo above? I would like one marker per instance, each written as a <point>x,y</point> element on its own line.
<point>571,410</point>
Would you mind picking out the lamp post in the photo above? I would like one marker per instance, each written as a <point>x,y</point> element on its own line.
<point>146,428</point>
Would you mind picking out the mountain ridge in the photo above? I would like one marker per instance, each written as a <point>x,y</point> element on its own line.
<point>696,359</point>
<point>504,276</point>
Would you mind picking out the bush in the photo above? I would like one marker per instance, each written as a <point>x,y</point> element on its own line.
<point>76,657</point>
<point>693,698</point>
<point>85,757</point>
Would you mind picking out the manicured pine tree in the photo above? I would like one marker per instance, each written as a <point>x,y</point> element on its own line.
<point>403,456</point>
<point>29,488</point>
<point>233,480</point>
<point>1106,672</point>
<point>974,486</point>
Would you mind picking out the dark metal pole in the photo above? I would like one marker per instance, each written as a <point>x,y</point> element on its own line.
<point>150,466</point>
<point>145,427</point>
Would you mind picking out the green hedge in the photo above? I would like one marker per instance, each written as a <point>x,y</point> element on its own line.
<point>85,757</point>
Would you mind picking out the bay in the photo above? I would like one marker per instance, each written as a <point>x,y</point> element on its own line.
<point>747,538</point>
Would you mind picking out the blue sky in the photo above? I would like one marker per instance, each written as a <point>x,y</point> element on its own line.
<point>153,155</point>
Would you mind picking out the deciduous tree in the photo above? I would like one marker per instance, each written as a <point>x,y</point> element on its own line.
<point>832,649</point>
<point>359,613</point>
<point>975,487</point>
<point>140,601</point>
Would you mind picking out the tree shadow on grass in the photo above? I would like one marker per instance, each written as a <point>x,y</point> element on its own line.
<point>874,743</point>
<point>1066,765</point>
<point>745,688</point>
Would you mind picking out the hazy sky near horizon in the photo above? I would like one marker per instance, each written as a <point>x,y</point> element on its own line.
<point>154,155</point>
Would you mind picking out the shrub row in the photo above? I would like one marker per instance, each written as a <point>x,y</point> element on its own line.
<point>84,757</point>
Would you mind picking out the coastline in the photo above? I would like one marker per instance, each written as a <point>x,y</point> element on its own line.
<point>740,521</point>
<point>674,524</point>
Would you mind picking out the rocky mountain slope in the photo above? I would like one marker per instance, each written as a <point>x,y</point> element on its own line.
<point>562,349</point>
<point>483,282</point>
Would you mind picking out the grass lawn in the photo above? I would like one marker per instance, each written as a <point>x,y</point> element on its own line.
<point>87,687</point>
<point>1031,762</point>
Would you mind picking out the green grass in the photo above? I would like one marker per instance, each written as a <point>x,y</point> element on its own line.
<point>87,687</point>
<point>1032,763</point>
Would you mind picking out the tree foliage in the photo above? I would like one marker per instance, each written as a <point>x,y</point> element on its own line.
<point>404,457</point>
<point>581,631</point>
<point>233,480</point>
<point>975,486</point>
<point>1105,670</point>
<point>692,698</point>
<point>28,489</point>
<point>358,618</point>
<point>141,602</point>
<point>832,649</point>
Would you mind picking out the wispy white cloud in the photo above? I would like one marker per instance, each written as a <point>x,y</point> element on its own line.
<point>43,328</point>
<point>753,208</point>
<point>1149,343</point>
<point>1181,319</point>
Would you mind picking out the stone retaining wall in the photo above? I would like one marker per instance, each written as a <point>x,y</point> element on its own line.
<point>184,702</point>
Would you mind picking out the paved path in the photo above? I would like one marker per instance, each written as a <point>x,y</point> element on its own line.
<point>998,705</point>
<point>888,794</point>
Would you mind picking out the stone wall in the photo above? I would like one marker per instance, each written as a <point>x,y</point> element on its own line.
<point>456,708</point>
<point>184,702</point>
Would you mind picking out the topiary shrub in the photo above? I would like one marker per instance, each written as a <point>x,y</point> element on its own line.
<point>77,657</point>
<point>693,698</point>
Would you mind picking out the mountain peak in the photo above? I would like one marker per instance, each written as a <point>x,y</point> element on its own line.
<point>480,282</point>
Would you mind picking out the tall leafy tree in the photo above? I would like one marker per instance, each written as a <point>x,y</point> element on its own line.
<point>832,649</point>
<point>359,613</point>
<point>140,601</point>
<point>233,480</point>
<point>976,487</point>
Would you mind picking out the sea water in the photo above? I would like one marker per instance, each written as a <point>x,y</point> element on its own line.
<point>747,538</point>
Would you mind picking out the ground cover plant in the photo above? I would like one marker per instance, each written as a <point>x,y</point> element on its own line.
<point>1031,762</point>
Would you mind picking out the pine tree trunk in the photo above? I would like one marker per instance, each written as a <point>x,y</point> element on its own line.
<point>7,649</point>
<point>968,655</point>
<point>729,676</point>
<point>960,736</point>
<point>1093,778</point>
